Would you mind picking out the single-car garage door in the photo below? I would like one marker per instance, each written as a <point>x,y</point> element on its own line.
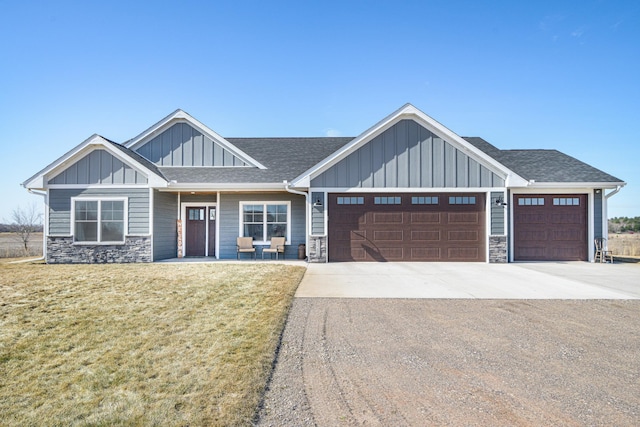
<point>407,227</point>
<point>550,227</point>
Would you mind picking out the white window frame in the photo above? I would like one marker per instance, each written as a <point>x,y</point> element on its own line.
<point>125,218</point>
<point>264,219</point>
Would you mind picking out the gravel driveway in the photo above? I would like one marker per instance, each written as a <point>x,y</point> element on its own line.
<point>457,362</point>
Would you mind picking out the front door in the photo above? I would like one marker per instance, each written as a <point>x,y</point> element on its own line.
<point>196,231</point>
<point>200,231</point>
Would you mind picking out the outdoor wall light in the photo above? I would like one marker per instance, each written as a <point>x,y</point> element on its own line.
<point>500,201</point>
<point>317,203</point>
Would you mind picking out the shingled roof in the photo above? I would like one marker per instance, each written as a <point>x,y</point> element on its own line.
<point>544,165</point>
<point>284,159</point>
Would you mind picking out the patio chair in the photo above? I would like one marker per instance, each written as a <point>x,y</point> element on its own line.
<point>277,247</point>
<point>601,253</point>
<point>245,245</point>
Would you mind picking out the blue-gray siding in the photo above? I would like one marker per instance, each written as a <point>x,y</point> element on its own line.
<point>60,207</point>
<point>229,205</point>
<point>165,232</point>
<point>497,213</point>
<point>597,214</point>
<point>182,145</point>
<point>317,213</point>
<point>99,167</point>
<point>407,156</point>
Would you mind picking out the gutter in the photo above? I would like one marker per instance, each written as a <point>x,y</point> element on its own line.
<point>45,228</point>
<point>287,187</point>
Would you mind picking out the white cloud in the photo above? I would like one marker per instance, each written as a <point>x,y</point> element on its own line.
<point>332,132</point>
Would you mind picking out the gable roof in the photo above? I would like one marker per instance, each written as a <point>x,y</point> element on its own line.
<point>37,181</point>
<point>408,111</point>
<point>182,116</point>
<point>546,166</point>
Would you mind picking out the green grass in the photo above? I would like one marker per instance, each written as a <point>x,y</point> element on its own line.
<point>166,345</point>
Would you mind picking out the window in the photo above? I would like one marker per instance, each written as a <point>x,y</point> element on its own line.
<point>462,200</point>
<point>384,200</point>
<point>350,200</point>
<point>427,200</point>
<point>531,201</point>
<point>98,220</point>
<point>264,220</point>
<point>566,201</point>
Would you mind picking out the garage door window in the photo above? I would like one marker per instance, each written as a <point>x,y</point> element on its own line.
<point>428,200</point>
<point>350,200</point>
<point>531,201</point>
<point>384,200</point>
<point>566,201</point>
<point>462,200</point>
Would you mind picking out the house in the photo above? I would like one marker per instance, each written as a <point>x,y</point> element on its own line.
<point>406,189</point>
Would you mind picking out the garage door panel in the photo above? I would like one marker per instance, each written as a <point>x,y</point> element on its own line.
<point>393,235</point>
<point>463,236</point>
<point>425,235</point>
<point>463,217</point>
<point>550,231</point>
<point>406,231</point>
<point>425,217</point>
<point>387,218</point>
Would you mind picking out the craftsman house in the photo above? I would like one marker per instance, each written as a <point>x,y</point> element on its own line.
<point>406,189</point>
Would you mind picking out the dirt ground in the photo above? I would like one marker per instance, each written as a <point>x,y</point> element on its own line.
<point>457,362</point>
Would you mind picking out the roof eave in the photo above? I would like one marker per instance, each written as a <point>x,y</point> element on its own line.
<point>552,185</point>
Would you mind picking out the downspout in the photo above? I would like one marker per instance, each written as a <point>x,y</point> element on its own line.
<point>287,187</point>
<point>45,228</point>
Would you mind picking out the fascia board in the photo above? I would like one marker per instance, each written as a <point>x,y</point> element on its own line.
<point>179,116</point>
<point>200,186</point>
<point>555,185</point>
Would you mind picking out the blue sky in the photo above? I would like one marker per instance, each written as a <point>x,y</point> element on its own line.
<point>543,74</point>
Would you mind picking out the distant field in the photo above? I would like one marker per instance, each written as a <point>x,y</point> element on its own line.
<point>11,246</point>
<point>625,244</point>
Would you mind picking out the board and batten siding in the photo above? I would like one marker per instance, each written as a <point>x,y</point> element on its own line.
<point>229,216</point>
<point>317,214</point>
<point>99,167</point>
<point>497,213</point>
<point>598,214</point>
<point>407,156</point>
<point>165,230</point>
<point>183,145</point>
<point>60,207</point>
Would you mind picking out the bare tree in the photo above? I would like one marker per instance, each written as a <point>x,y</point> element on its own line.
<point>24,223</point>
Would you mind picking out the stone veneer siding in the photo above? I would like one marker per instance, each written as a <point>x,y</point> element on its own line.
<point>317,249</point>
<point>61,250</point>
<point>497,249</point>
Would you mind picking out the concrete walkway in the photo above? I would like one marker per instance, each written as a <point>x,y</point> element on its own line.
<point>548,280</point>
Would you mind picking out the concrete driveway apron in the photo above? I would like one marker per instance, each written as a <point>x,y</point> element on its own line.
<point>547,280</point>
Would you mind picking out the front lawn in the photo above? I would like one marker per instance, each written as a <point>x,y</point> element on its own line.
<point>166,345</point>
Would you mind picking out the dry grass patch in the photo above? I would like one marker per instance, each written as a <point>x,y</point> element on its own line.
<point>625,244</point>
<point>180,344</point>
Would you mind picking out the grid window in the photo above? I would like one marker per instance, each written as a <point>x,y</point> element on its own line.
<point>350,200</point>
<point>387,200</point>
<point>566,201</point>
<point>427,200</point>
<point>531,201</point>
<point>462,200</point>
<point>99,221</point>
<point>262,221</point>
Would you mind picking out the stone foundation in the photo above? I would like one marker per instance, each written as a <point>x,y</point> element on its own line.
<point>317,249</point>
<point>61,250</point>
<point>497,249</point>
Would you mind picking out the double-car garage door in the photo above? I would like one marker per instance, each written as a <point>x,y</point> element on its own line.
<point>407,227</point>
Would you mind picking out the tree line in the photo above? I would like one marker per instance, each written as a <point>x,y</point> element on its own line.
<point>624,224</point>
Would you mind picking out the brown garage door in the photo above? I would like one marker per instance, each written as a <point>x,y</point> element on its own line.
<point>407,227</point>
<point>550,227</point>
